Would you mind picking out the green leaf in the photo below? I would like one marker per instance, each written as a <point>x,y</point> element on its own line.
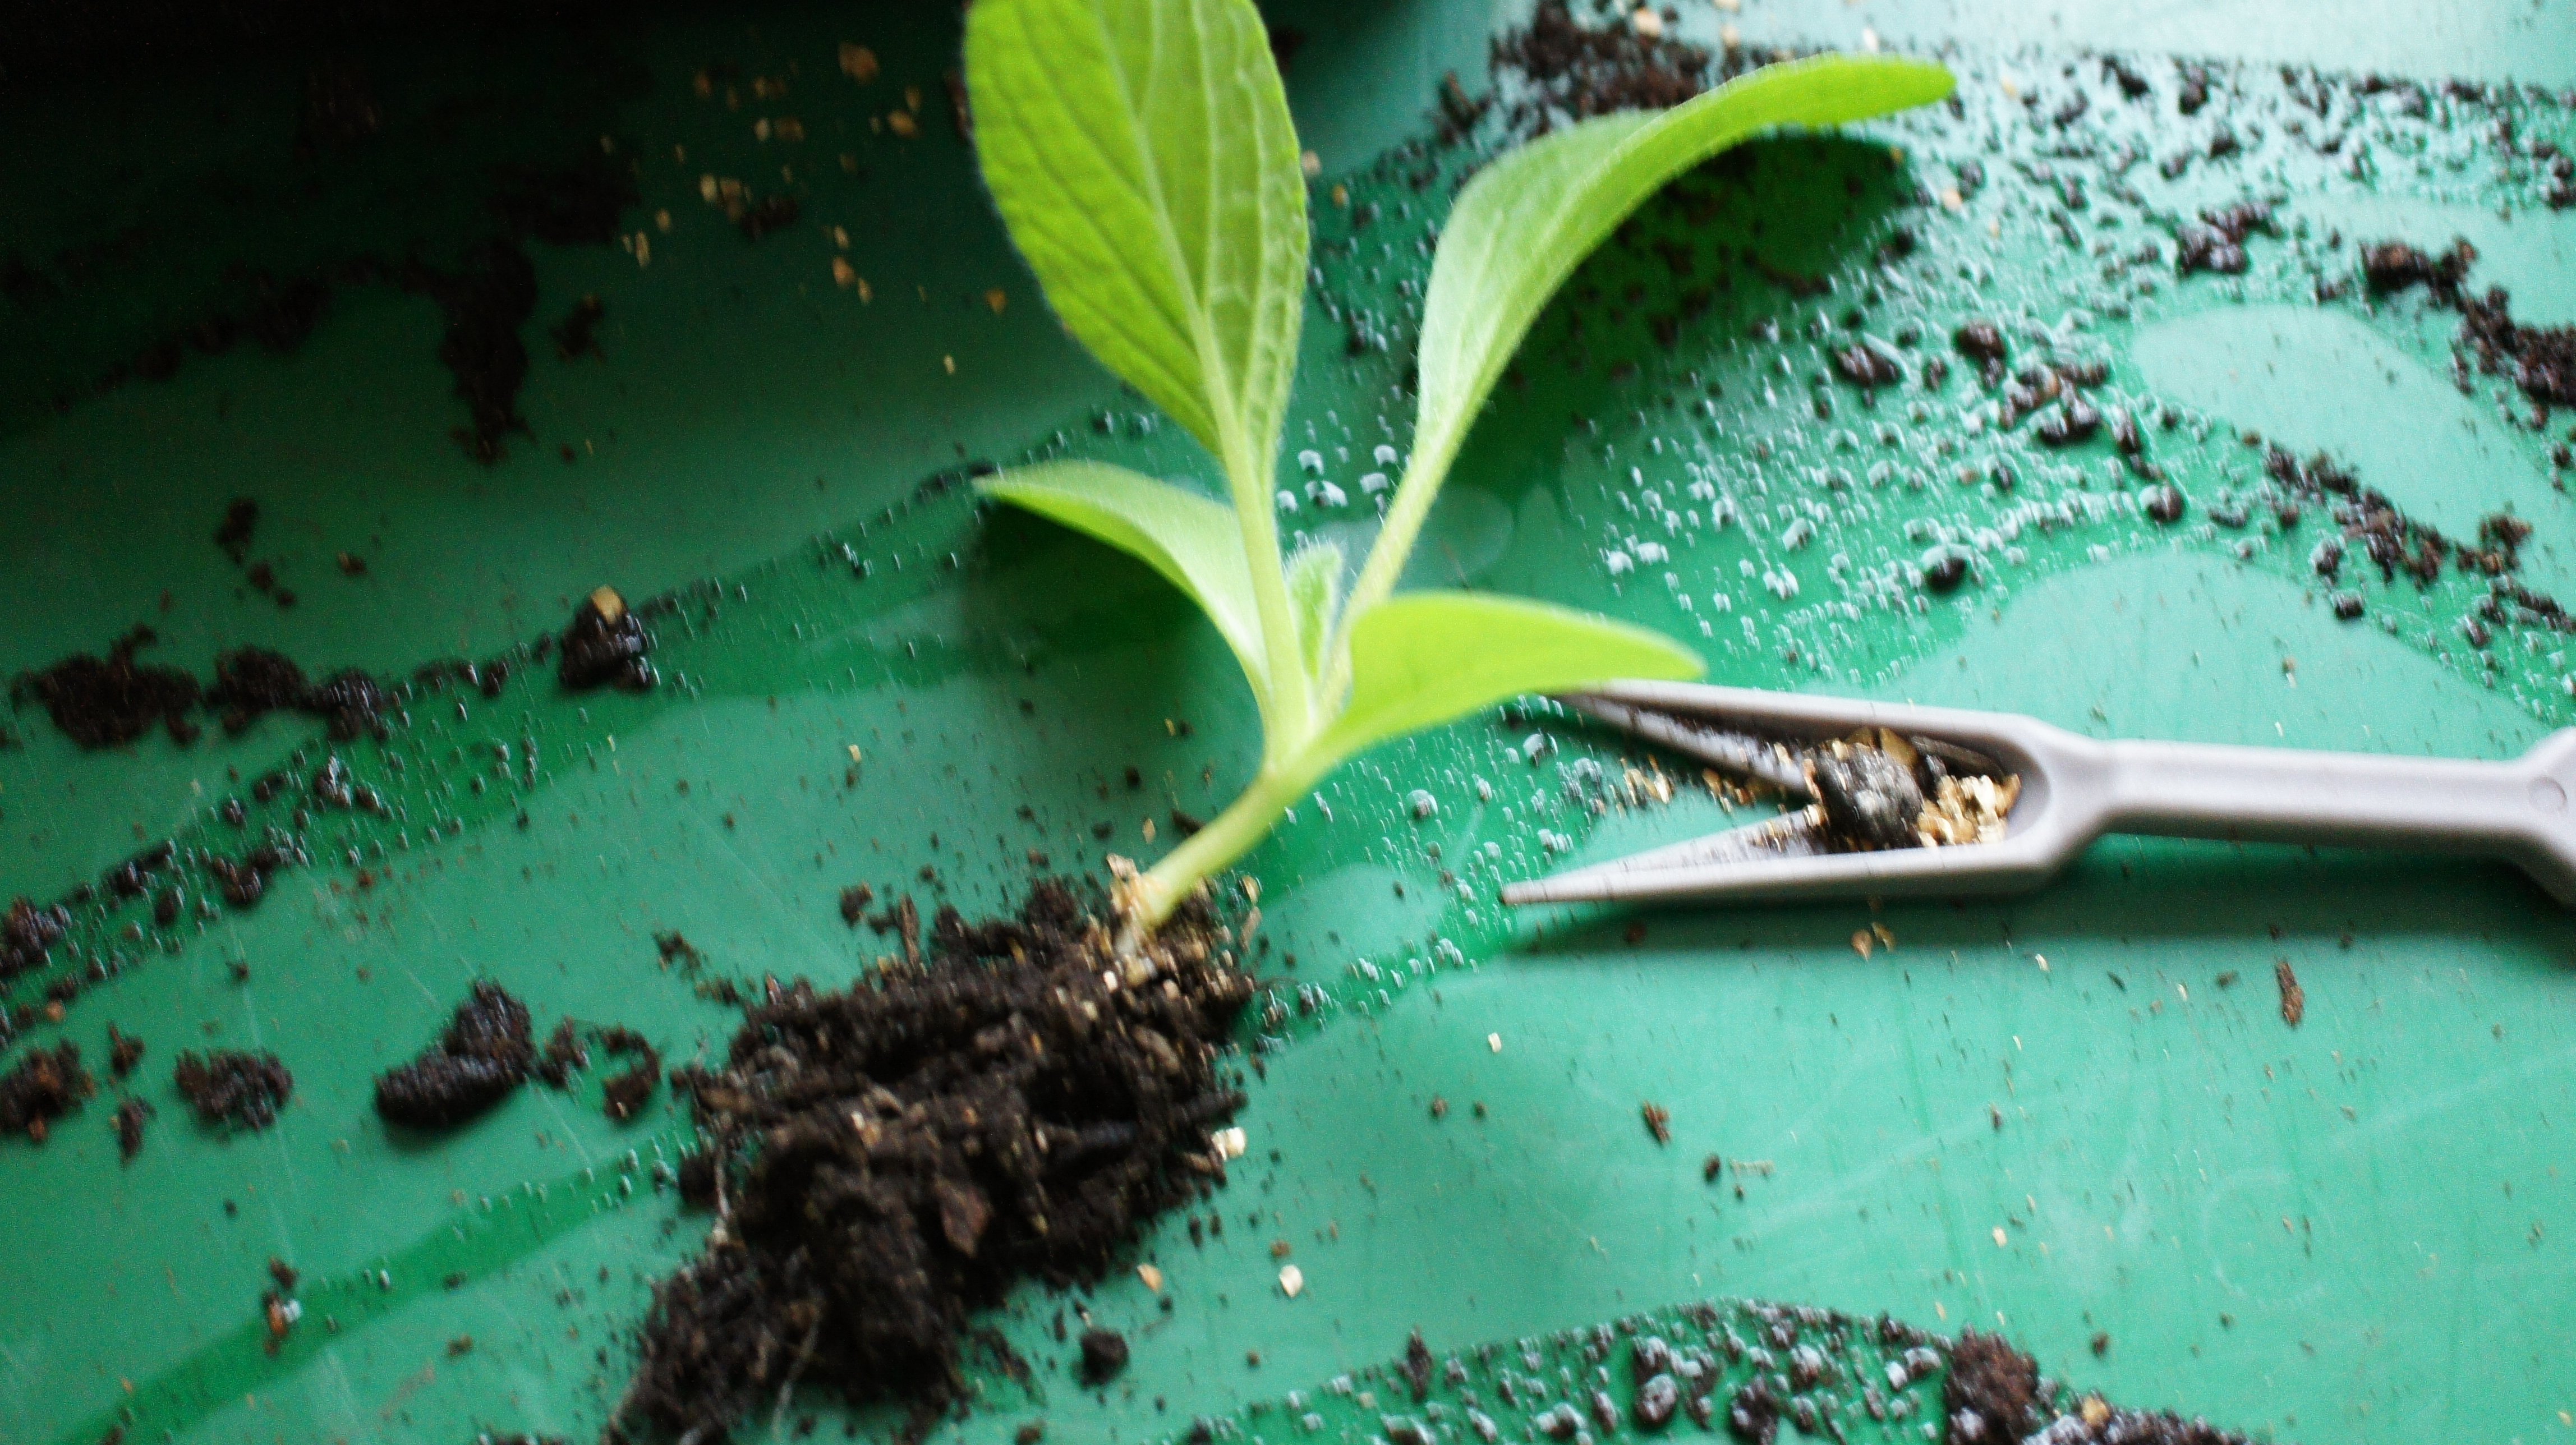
<point>1424,658</point>
<point>1314,586</point>
<point>1526,221</point>
<point>1190,539</point>
<point>1142,155</point>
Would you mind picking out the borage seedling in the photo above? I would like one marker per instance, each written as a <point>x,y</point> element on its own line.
<point>1140,152</point>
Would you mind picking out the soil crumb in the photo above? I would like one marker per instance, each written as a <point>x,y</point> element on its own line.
<point>1992,1393</point>
<point>232,1088</point>
<point>106,702</point>
<point>1104,1356</point>
<point>606,646</point>
<point>629,1088</point>
<point>124,1051</point>
<point>1575,71</point>
<point>129,1121</point>
<point>1993,1397</point>
<point>887,1159</point>
<point>486,1053</point>
<point>46,1085</point>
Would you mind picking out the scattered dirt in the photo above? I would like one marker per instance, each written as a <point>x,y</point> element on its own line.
<point>129,1121</point>
<point>485,1055</point>
<point>885,1160</point>
<point>1992,1393</point>
<point>1104,1356</point>
<point>2539,360</point>
<point>106,702</point>
<point>241,520</point>
<point>2294,999</point>
<point>1659,1121</point>
<point>234,1089</point>
<point>124,1051</point>
<point>606,646</point>
<point>45,1086</point>
<point>628,1089</point>
<point>577,335</point>
<point>485,302</point>
<point>1571,71</point>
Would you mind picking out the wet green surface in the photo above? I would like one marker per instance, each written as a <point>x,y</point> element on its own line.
<point>2354,1230</point>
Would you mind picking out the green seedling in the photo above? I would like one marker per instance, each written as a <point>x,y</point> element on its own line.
<point>1141,153</point>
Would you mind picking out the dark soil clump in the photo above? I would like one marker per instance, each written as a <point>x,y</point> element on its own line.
<point>1575,71</point>
<point>106,702</point>
<point>486,1053</point>
<point>1992,1393</point>
<point>884,1161</point>
<point>251,682</point>
<point>606,646</point>
<point>124,1051</point>
<point>1104,1356</point>
<point>231,1088</point>
<point>629,1088</point>
<point>129,1121</point>
<point>45,1086</point>
<point>1992,1396</point>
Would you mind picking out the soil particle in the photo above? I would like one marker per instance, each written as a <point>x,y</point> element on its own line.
<point>2071,424</point>
<point>1573,71</point>
<point>1979,344</point>
<point>484,303</point>
<point>251,682</point>
<point>241,519</point>
<point>629,1088</point>
<point>28,935</point>
<point>2389,267</point>
<point>1867,367</point>
<point>1753,1413</point>
<point>2216,242</point>
<point>231,1088</point>
<point>606,646</point>
<point>564,1055</point>
<point>106,702</point>
<point>2294,999</point>
<point>1104,1356</point>
<point>1868,796</point>
<point>124,1051</point>
<point>1417,1367</point>
<point>46,1085</point>
<point>1657,1400</point>
<point>1992,1392</point>
<point>1659,1122</point>
<point>854,903</point>
<point>486,1053</point>
<point>577,335</point>
<point>887,1159</point>
<point>129,1121</point>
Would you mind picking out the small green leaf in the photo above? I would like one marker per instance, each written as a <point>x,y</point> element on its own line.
<point>1190,539</point>
<point>1424,658</point>
<point>1314,586</point>
<point>1142,155</point>
<point>1526,221</point>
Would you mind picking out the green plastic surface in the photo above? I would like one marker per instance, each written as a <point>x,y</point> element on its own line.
<point>2051,1117</point>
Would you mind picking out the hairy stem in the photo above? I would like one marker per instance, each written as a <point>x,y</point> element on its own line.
<point>1290,717</point>
<point>1423,473</point>
<point>1245,822</point>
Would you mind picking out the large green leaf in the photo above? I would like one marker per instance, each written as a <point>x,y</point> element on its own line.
<point>1142,155</point>
<point>1190,539</point>
<point>1424,658</point>
<point>1526,221</point>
